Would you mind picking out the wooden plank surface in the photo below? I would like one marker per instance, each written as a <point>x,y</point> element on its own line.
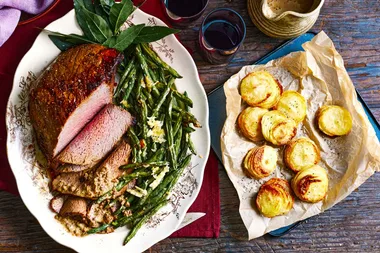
<point>351,226</point>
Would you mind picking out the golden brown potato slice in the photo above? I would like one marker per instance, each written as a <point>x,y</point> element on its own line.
<point>274,198</point>
<point>261,161</point>
<point>311,184</point>
<point>301,153</point>
<point>334,120</point>
<point>277,128</point>
<point>249,122</point>
<point>293,104</point>
<point>260,89</point>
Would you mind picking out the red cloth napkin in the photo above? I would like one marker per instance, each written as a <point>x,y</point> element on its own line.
<point>10,55</point>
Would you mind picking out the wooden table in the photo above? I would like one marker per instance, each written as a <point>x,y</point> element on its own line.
<point>352,225</point>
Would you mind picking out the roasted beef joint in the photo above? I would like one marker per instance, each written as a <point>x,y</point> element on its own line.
<point>69,93</point>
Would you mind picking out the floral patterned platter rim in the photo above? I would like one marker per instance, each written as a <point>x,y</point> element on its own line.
<point>31,178</point>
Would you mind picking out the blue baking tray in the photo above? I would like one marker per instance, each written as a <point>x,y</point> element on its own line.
<point>217,101</point>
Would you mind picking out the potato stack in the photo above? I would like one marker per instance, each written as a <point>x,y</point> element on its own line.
<point>273,115</point>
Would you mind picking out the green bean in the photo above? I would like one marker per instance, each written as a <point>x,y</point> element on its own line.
<point>118,211</point>
<point>187,116</point>
<point>149,98</point>
<point>144,67</point>
<point>134,139</point>
<point>98,229</point>
<point>184,148</point>
<point>104,197</point>
<point>188,129</point>
<point>138,156</point>
<point>134,154</point>
<point>160,101</point>
<point>130,83</point>
<point>169,131</point>
<point>150,63</point>
<point>121,184</point>
<point>144,165</point>
<point>143,220</point>
<point>187,108</point>
<point>138,87</point>
<point>179,172</point>
<point>153,76</point>
<point>153,55</point>
<point>177,125</point>
<point>186,100</point>
<point>191,145</point>
<point>177,143</point>
<point>144,115</point>
<point>169,181</point>
<point>124,75</point>
<point>157,156</point>
<point>136,174</point>
<point>155,91</point>
<point>131,198</point>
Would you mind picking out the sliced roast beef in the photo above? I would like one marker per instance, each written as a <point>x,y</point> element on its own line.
<point>57,202</point>
<point>66,168</point>
<point>98,137</point>
<point>95,182</point>
<point>74,207</point>
<point>69,94</point>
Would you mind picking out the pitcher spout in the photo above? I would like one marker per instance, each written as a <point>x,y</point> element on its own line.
<point>276,10</point>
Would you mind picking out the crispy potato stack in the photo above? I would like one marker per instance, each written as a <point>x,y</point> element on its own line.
<point>311,184</point>
<point>274,198</point>
<point>293,105</point>
<point>277,128</point>
<point>301,153</point>
<point>261,161</point>
<point>260,89</point>
<point>249,122</point>
<point>334,120</point>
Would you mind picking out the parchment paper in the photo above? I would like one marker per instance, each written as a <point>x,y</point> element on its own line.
<point>319,75</point>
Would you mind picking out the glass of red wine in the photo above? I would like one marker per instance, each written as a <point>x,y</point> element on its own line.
<point>221,34</point>
<point>181,13</point>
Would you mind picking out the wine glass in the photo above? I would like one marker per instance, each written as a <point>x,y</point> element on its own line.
<point>181,13</point>
<point>221,34</point>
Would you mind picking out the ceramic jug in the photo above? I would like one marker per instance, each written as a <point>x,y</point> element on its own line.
<point>292,13</point>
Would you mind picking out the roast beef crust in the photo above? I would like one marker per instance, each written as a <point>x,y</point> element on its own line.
<point>74,75</point>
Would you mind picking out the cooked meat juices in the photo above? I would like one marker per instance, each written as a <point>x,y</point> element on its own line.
<point>98,137</point>
<point>95,182</point>
<point>69,93</point>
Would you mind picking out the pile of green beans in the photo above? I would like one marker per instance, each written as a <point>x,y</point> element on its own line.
<point>147,89</point>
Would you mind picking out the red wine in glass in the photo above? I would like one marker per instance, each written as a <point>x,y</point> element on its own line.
<point>185,8</point>
<point>221,34</point>
<point>182,12</point>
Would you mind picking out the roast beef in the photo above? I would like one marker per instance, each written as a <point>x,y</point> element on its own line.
<point>95,182</point>
<point>65,168</point>
<point>98,137</point>
<point>69,93</point>
<point>57,202</point>
<point>75,207</point>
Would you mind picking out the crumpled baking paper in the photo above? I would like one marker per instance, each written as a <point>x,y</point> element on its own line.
<point>319,75</point>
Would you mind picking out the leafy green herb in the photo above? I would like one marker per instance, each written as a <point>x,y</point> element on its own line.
<point>101,10</point>
<point>119,13</point>
<point>154,33</point>
<point>93,25</point>
<point>81,19</point>
<point>88,5</point>
<point>125,38</point>
<point>65,41</point>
